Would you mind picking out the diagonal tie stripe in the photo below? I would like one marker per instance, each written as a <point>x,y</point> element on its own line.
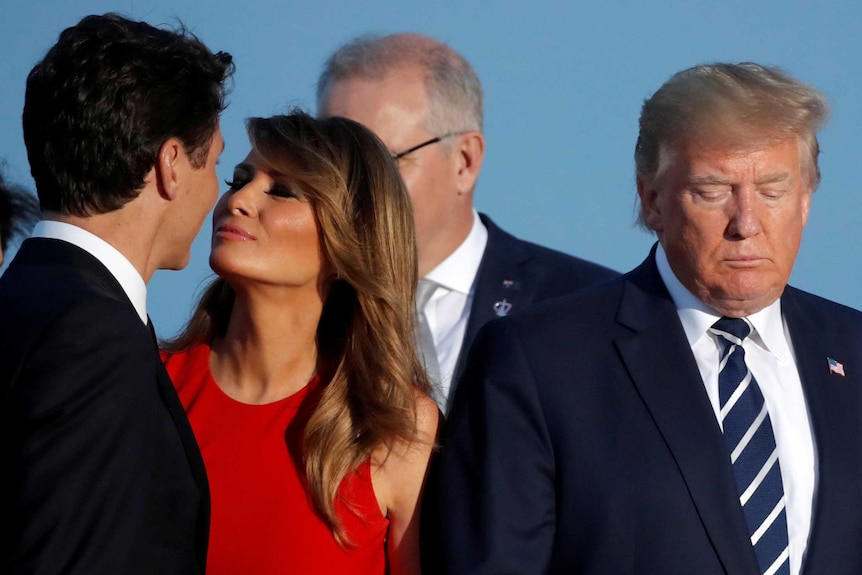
<point>751,444</point>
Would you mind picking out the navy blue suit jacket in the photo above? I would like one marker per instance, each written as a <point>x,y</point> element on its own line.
<point>581,440</point>
<point>516,274</point>
<point>101,470</point>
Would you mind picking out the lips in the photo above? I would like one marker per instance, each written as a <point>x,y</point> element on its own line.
<point>745,261</point>
<point>233,232</point>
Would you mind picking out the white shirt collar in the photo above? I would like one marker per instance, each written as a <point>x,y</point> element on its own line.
<point>697,317</point>
<point>457,272</point>
<point>119,267</point>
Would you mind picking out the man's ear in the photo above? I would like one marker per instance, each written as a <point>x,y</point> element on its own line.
<point>650,209</point>
<point>169,166</point>
<point>469,152</point>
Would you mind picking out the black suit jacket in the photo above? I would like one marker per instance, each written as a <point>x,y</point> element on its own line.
<point>102,472</point>
<point>514,274</point>
<point>581,440</point>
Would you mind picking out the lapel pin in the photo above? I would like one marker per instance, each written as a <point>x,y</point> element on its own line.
<point>502,308</point>
<point>835,367</point>
<point>511,284</point>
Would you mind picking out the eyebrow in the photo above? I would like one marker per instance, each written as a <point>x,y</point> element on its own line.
<point>710,180</point>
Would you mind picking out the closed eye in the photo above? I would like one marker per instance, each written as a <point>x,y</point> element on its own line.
<point>235,184</point>
<point>773,194</point>
<point>712,194</point>
<point>282,191</point>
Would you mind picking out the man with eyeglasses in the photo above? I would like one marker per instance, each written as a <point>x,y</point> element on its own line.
<point>424,101</point>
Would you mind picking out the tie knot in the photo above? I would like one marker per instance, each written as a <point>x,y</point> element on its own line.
<point>424,290</point>
<point>736,327</point>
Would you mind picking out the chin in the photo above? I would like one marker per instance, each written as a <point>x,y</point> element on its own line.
<point>177,263</point>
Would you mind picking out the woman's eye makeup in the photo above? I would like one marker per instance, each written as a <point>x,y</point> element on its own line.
<point>235,184</point>
<point>281,191</point>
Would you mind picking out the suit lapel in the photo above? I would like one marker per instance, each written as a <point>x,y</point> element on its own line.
<point>498,287</point>
<point>833,406</point>
<point>658,358</point>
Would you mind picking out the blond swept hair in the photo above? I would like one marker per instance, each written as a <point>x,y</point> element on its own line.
<point>365,335</point>
<point>734,104</point>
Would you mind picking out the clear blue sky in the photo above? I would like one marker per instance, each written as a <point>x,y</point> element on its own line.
<point>564,82</point>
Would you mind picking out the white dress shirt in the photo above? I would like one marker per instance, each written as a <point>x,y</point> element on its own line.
<point>120,267</point>
<point>449,308</point>
<point>770,358</point>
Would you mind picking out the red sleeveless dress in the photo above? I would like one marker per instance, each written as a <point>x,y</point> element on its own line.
<point>263,522</point>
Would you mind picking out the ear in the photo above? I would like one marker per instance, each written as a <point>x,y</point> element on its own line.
<point>169,166</point>
<point>469,151</point>
<point>650,206</point>
<point>806,206</point>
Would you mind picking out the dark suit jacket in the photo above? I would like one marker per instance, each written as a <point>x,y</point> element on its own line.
<point>581,440</point>
<point>520,273</point>
<point>102,472</point>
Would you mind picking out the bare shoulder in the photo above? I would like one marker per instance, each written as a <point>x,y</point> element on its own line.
<point>402,451</point>
<point>427,417</point>
<point>398,469</point>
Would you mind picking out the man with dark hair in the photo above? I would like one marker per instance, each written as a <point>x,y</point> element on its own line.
<point>19,212</point>
<point>121,123</point>
<point>695,416</point>
<point>424,100</point>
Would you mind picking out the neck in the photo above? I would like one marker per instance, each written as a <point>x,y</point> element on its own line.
<point>434,251</point>
<point>269,351</point>
<point>126,229</point>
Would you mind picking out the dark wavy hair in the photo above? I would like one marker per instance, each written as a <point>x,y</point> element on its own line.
<point>105,98</point>
<point>19,212</point>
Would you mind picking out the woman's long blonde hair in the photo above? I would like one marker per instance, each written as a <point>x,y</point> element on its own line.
<point>365,336</point>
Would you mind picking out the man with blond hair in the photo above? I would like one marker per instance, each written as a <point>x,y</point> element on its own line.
<point>696,415</point>
<point>424,101</point>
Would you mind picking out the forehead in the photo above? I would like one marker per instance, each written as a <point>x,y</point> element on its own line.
<point>393,107</point>
<point>706,157</point>
<point>254,167</point>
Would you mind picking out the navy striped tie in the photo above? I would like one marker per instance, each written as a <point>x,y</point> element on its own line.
<point>749,438</point>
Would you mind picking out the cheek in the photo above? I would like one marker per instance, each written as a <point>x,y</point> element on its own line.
<point>412,181</point>
<point>220,208</point>
<point>296,234</point>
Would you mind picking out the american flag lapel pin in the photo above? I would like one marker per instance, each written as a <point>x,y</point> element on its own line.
<point>835,367</point>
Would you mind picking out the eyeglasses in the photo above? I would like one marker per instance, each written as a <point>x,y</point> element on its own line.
<point>397,156</point>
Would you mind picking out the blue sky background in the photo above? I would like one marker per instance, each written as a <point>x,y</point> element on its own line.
<point>564,82</point>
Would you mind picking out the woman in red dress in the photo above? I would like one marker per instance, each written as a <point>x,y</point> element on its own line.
<point>298,368</point>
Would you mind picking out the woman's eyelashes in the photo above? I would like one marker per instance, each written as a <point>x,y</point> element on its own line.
<point>277,190</point>
<point>282,191</point>
<point>235,184</point>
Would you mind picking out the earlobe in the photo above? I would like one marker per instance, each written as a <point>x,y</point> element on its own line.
<point>168,168</point>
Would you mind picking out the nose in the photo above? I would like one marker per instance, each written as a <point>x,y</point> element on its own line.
<point>744,219</point>
<point>241,201</point>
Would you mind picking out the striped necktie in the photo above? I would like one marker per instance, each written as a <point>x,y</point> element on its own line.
<point>748,434</point>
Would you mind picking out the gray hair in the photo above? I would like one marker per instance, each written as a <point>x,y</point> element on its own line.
<point>731,103</point>
<point>453,88</point>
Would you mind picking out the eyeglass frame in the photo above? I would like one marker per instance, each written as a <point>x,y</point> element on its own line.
<point>398,155</point>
